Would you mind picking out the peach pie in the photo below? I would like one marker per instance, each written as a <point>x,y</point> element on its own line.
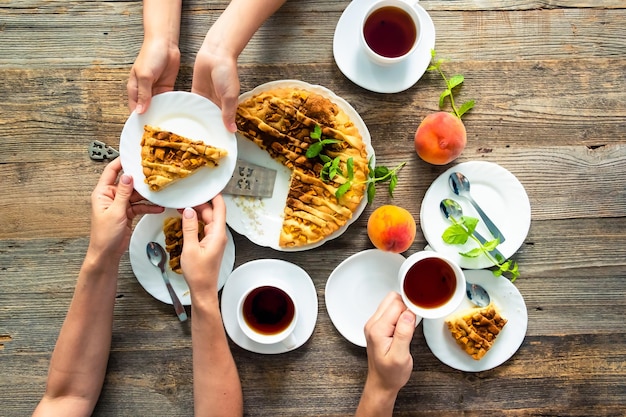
<point>286,122</point>
<point>167,157</point>
<point>475,330</point>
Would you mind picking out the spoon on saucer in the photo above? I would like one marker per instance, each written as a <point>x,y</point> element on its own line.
<point>157,256</point>
<point>461,187</point>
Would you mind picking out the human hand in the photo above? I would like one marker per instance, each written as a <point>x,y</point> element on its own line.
<point>154,71</point>
<point>114,205</point>
<point>388,333</point>
<point>215,77</point>
<point>201,260</point>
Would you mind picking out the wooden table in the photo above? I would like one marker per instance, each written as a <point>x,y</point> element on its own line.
<point>548,79</point>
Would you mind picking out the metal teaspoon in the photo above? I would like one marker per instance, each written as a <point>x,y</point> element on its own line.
<point>157,256</point>
<point>475,293</point>
<point>461,186</point>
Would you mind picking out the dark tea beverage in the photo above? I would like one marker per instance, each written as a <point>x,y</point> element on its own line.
<point>268,310</point>
<point>390,32</point>
<point>430,283</point>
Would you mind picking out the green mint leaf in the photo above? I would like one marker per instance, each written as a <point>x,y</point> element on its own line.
<point>381,171</point>
<point>350,167</point>
<point>455,235</point>
<point>325,142</point>
<point>455,81</point>
<point>496,272</point>
<point>469,223</point>
<point>314,150</point>
<point>325,158</point>
<point>393,182</point>
<point>474,253</point>
<point>491,245</point>
<point>442,97</point>
<point>465,107</point>
<point>316,133</point>
<point>371,192</point>
<point>343,188</point>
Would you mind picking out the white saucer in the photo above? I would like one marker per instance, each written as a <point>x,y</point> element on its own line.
<point>194,117</point>
<point>261,219</point>
<point>358,68</point>
<point>357,286</point>
<point>512,307</point>
<point>150,229</point>
<point>252,274</point>
<point>500,195</point>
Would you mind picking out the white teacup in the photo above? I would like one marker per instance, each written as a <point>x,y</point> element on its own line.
<point>432,286</point>
<point>391,30</point>
<point>268,314</point>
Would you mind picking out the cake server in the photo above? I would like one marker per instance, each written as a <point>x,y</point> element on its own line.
<point>251,180</point>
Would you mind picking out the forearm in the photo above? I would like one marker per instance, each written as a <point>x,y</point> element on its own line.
<point>161,20</point>
<point>216,385</point>
<point>375,402</point>
<point>238,23</point>
<point>78,363</point>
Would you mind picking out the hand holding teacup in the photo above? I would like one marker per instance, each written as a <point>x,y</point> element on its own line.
<point>432,286</point>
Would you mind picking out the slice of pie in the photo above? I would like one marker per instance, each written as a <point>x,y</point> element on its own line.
<point>475,330</point>
<point>173,230</point>
<point>167,157</point>
<point>281,121</point>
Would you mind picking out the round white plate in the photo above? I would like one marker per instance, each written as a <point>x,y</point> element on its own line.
<point>512,307</point>
<point>357,286</point>
<point>253,274</point>
<point>498,192</point>
<point>194,117</point>
<point>359,68</point>
<point>150,229</point>
<point>261,219</point>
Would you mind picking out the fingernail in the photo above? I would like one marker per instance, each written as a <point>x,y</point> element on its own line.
<point>126,179</point>
<point>233,127</point>
<point>188,213</point>
<point>139,108</point>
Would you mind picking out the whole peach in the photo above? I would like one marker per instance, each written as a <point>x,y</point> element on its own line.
<point>391,228</point>
<point>440,138</point>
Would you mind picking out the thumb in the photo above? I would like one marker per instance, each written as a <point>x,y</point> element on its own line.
<point>124,190</point>
<point>403,332</point>
<point>190,226</point>
<point>144,95</point>
<point>229,111</point>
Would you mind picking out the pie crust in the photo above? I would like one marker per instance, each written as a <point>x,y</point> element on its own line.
<point>281,121</point>
<point>167,157</point>
<point>475,330</point>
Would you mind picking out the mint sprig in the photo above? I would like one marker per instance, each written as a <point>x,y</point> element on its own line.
<point>381,174</point>
<point>451,83</point>
<point>463,229</point>
<point>315,149</point>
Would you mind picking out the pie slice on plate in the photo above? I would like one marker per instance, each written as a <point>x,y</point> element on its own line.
<point>167,157</point>
<point>475,330</point>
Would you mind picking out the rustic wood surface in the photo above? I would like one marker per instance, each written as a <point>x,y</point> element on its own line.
<point>548,78</point>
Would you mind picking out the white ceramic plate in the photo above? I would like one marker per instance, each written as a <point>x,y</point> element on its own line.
<point>357,286</point>
<point>358,67</point>
<point>150,229</point>
<point>261,219</point>
<point>194,117</point>
<point>501,196</point>
<point>512,307</point>
<point>252,274</point>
